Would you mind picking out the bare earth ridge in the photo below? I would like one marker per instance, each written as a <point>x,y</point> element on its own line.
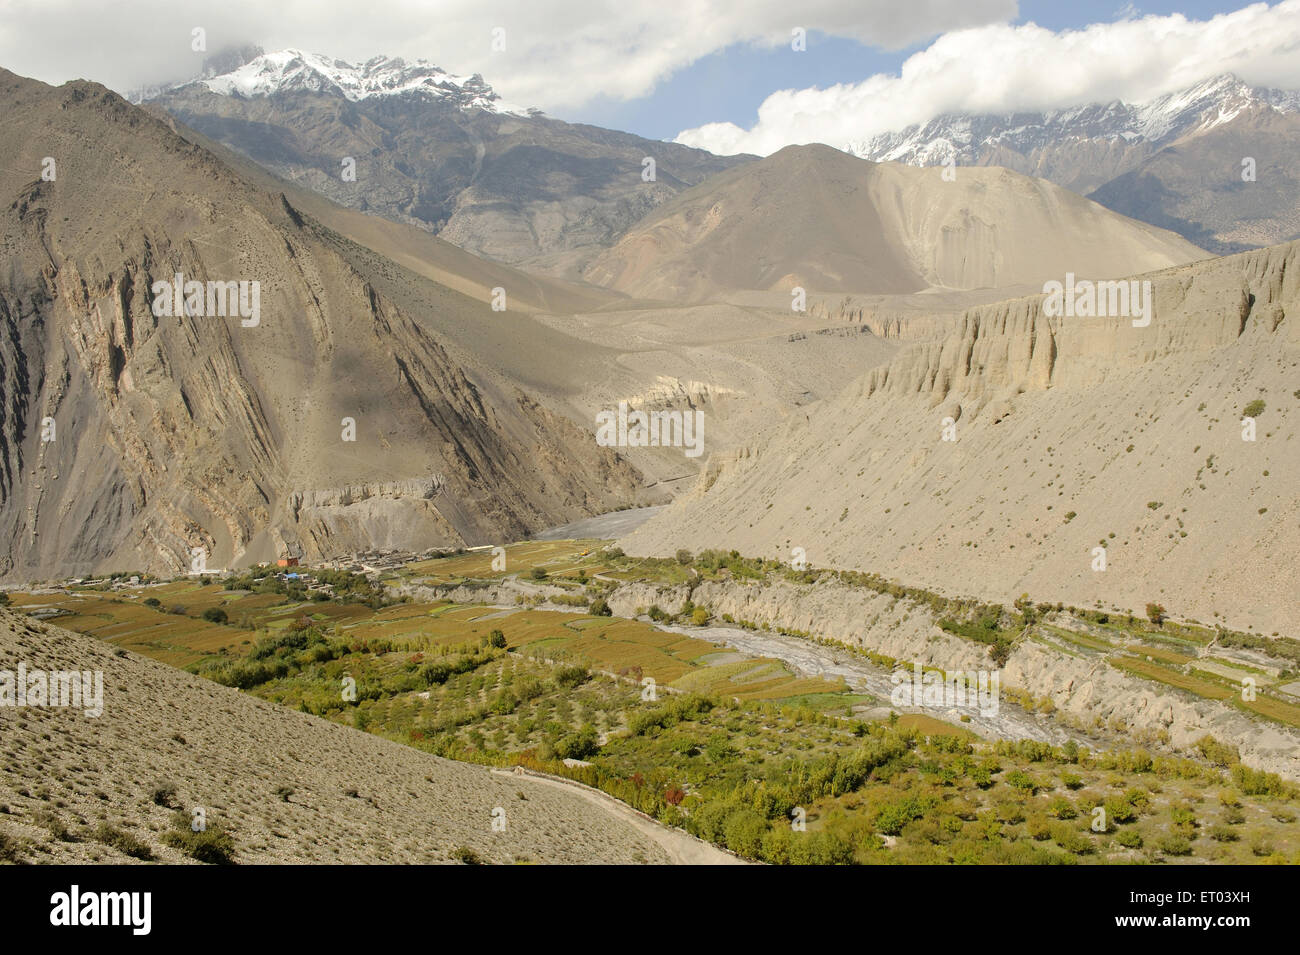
<point>1071,434</point>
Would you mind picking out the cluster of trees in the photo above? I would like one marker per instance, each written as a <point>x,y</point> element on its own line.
<point>439,672</point>
<point>569,677</point>
<point>711,561</point>
<point>985,628</point>
<point>673,711</point>
<point>753,818</point>
<point>347,586</point>
<point>690,613</point>
<point>1284,648</point>
<point>1031,612</point>
<point>577,745</point>
<point>274,658</point>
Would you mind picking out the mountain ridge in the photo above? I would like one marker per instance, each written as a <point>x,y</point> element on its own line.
<point>1070,434</point>
<point>817,218</point>
<point>439,152</point>
<point>967,139</point>
<point>1175,162</point>
<point>294,70</point>
<point>184,431</point>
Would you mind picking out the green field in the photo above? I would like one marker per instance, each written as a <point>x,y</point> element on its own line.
<point>556,558</point>
<point>175,633</point>
<point>733,749</point>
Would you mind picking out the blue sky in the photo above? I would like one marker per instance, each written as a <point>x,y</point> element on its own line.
<point>729,85</point>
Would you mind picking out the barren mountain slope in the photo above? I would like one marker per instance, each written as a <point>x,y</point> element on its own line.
<point>1071,433</point>
<point>1175,161</point>
<point>819,218</point>
<point>352,797</point>
<point>1195,187</point>
<point>411,246</point>
<point>169,433</point>
<point>740,363</point>
<point>510,184</point>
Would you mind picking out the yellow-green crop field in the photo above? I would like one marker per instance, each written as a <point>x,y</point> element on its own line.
<point>1211,687</point>
<point>557,558</point>
<point>627,648</point>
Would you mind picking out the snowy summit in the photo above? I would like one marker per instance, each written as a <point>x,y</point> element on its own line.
<point>295,70</point>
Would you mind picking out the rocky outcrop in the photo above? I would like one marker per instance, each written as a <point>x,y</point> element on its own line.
<point>391,515</point>
<point>996,460</point>
<point>421,489</point>
<point>1015,346</point>
<point>671,392</point>
<point>883,322</point>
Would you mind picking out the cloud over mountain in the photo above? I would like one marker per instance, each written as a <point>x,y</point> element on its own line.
<point>621,50</point>
<point>1001,68</point>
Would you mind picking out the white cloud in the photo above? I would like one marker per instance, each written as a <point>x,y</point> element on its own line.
<point>558,54</point>
<point>1002,68</point>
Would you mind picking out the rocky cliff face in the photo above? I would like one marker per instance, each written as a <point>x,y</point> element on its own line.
<point>131,434</point>
<point>996,460</point>
<point>1016,346</point>
<point>451,158</point>
<point>886,322</point>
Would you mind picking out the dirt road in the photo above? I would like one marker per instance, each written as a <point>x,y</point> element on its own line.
<point>684,849</point>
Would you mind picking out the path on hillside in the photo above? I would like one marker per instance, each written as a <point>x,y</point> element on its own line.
<point>609,526</point>
<point>682,848</point>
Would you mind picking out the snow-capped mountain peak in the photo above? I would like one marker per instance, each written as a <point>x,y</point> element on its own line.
<point>963,137</point>
<point>296,70</point>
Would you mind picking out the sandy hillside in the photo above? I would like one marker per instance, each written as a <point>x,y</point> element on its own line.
<point>355,798</point>
<point>816,217</point>
<point>1070,432</point>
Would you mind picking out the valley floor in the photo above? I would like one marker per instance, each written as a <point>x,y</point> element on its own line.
<point>683,689</point>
